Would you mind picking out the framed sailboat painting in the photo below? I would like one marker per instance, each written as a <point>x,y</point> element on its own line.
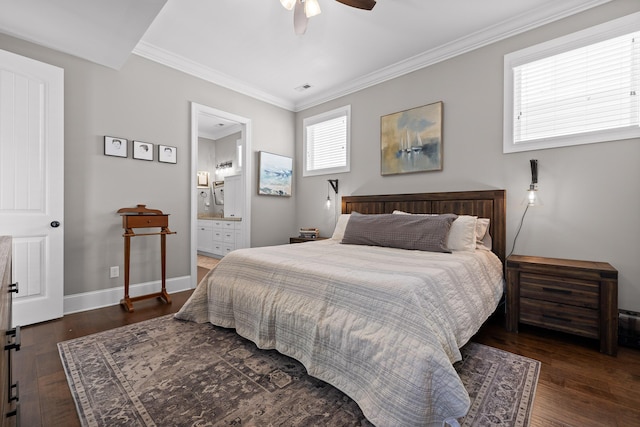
<point>411,140</point>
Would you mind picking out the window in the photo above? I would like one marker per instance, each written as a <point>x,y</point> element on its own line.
<point>327,142</point>
<point>579,89</point>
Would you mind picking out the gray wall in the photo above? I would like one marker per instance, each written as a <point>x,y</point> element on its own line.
<point>590,192</point>
<point>149,102</point>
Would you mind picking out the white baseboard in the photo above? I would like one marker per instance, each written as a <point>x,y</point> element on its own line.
<point>112,296</point>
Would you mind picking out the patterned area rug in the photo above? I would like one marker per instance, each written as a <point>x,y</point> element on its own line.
<point>166,372</point>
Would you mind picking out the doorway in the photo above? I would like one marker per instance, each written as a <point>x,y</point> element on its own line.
<point>201,115</point>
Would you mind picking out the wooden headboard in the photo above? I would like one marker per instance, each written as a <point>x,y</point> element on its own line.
<point>483,204</point>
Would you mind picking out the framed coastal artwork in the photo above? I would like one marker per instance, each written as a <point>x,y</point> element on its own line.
<point>275,173</point>
<point>411,140</point>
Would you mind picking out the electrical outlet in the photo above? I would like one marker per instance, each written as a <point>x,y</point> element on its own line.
<point>114,272</point>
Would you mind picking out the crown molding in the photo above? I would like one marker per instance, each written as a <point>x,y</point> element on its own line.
<point>543,15</point>
<point>485,37</point>
<point>180,63</point>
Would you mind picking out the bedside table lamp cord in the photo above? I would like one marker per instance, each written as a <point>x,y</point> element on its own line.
<point>518,232</point>
<point>533,188</point>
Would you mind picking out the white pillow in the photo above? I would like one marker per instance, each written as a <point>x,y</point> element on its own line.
<point>483,237</point>
<point>462,235</point>
<point>482,226</point>
<point>341,225</point>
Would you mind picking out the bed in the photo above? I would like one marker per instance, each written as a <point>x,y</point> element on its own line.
<point>384,325</point>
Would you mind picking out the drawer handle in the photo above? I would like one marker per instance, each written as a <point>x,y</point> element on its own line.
<point>15,345</point>
<point>14,288</point>
<point>557,291</point>
<point>562,319</point>
<point>14,397</point>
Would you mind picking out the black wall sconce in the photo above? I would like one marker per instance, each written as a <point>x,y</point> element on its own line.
<point>334,185</point>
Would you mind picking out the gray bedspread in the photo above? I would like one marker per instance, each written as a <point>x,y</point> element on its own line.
<point>383,325</point>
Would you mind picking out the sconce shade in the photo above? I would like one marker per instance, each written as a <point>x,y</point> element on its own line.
<point>288,4</point>
<point>334,185</point>
<point>311,8</point>
<point>531,197</point>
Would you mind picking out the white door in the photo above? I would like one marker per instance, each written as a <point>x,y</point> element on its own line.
<point>31,183</point>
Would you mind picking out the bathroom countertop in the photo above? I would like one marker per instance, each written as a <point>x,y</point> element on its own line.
<point>210,217</point>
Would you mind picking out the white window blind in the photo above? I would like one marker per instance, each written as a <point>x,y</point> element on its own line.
<point>567,95</point>
<point>326,142</point>
<point>588,89</point>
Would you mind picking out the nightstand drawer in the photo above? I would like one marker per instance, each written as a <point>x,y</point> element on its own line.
<point>561,317</point>
<point>563,290</point>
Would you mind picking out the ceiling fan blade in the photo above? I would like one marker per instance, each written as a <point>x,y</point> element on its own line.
<point>300,19</point>
<point>360,4</point>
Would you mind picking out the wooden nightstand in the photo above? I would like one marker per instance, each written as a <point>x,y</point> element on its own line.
<point>577,297</point>
<point>304,239</point>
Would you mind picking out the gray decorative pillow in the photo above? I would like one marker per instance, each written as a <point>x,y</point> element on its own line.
<point>424,233</point>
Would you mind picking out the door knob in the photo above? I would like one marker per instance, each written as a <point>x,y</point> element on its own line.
<point>55,224</point>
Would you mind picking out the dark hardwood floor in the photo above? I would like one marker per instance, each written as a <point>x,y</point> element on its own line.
<point>578,386</point>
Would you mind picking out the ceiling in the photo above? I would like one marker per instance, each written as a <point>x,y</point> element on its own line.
<point>250,46</point>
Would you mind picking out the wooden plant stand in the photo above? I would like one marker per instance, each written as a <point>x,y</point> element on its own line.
<point>141,217</point>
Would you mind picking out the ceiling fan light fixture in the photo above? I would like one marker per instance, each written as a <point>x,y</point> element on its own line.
<point>288,4</point>
<point>311,8</point>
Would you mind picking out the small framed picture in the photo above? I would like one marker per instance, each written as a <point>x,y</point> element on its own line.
<point>115,146</point>
<point>167,154</point>
<point>142,150</point>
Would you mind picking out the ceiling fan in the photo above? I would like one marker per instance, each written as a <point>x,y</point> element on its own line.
<point>305,9</point>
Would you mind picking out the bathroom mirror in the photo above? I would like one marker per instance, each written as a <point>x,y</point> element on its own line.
<point>217,188</point>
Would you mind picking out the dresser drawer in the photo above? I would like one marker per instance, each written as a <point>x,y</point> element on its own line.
<point>563,290</point>
<point>566,318</point>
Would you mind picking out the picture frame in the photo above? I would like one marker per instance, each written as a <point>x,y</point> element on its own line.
<point>203,179</point>
<point>167,154</point>
<point>142,150</point>
<point>114,146</point>
<point>275,174</point>
<point>411,140</point>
